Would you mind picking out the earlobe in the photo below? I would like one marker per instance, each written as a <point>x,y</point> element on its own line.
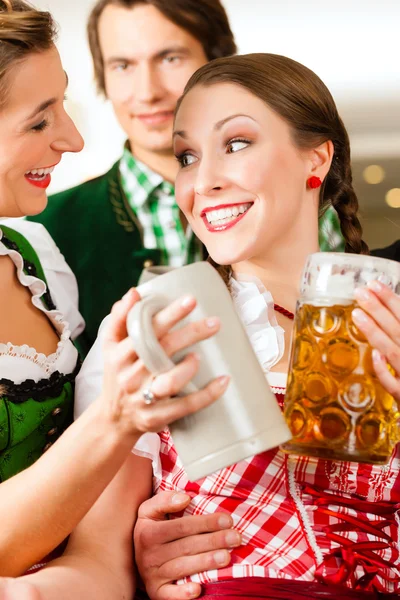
<point>314,182</point>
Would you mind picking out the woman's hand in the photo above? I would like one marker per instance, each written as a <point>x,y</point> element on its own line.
<point>15,589</point>
<point>167,550</point>
<point>379,321</point>
<point>125,376</point>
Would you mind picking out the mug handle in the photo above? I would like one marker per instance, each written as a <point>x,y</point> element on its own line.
<point>147,347</point>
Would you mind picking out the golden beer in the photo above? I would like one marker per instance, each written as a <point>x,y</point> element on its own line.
<point>335,405</point>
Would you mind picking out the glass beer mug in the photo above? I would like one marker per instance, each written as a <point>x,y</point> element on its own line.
<point>334,405</point>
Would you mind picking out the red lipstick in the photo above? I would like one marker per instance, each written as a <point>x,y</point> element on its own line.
<point>224,227</point>
<point>40,183</point>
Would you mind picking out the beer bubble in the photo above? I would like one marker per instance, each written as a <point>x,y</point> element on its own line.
<point>303,352</point>
<point>357,393</point>
<point>371,430</point>
<point>342,356</point>
<point>325,321</point>
<point>297,420</point>
<point>332,426</point>
<point>317,387</point>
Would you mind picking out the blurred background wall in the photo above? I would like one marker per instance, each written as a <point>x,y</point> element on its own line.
<point>351,44</point>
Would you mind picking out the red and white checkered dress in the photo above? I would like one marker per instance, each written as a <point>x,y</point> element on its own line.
<point>301,518</point>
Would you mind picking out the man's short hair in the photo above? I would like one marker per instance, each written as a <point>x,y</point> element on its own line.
<point>205,20</point>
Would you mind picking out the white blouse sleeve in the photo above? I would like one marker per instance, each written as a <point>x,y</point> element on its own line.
<point>89,382</point>
<point>62,282</point>
<point>88,387</point>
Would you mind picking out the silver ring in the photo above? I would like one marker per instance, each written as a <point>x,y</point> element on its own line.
<point>148,397</point>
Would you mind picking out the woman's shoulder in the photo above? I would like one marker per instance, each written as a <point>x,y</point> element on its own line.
<point>40,239</point>
<point>61,281</point>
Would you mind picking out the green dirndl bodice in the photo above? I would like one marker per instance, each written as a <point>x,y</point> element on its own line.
<point>33,415</point>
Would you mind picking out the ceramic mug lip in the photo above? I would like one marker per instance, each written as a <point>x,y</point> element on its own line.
<point>163,269</point>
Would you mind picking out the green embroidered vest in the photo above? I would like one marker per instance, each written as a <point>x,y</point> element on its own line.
<point>32,414</point>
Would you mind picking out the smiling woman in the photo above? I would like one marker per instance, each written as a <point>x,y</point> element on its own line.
<point>36,130</point>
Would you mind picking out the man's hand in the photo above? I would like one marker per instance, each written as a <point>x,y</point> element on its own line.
<point>167,550</point>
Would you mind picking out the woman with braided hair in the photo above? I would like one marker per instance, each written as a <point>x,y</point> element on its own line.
<point>264,156</point>
<point>50,476</point>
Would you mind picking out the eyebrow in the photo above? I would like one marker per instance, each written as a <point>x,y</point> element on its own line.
<point>159,55</point>
<point>46,103</point>
<point>217,125</point>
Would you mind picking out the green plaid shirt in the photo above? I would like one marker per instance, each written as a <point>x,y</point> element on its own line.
<point>153,201</point>
<point>330,236</point>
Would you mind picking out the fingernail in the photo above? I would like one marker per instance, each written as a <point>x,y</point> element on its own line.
<point>212,323</point>
<point>359,316</point>
<point>225,521</point>
<point>179,499</point>
<point>377,356</point>
<point>187,301</point>
<point>221,557</point>
<point>362,294</point>
<point>233,539</point>
<point>224,380</point>
<point>376,286</point>
<point>193,591</point>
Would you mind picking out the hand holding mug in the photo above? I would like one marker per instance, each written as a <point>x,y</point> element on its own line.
<point>378,317</point>
<point>127,383</point>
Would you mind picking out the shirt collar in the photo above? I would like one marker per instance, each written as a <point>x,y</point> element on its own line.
<point>139,181</point>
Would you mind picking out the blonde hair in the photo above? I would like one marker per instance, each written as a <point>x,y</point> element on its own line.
<point>23,30</point>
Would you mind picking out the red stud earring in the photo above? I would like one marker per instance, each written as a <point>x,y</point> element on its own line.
<point>314,182</point>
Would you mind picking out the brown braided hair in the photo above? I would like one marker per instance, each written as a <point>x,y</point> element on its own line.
<point>299,96</point>
<point>23,30</point>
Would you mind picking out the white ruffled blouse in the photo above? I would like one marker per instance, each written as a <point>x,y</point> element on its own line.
<point>255,306</point>
<point>19,363</point>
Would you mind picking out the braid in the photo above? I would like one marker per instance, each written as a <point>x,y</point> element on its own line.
<point>339,191</point>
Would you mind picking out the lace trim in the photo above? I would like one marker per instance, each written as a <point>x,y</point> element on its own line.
<point>303,512</point>
<point>40,296</point>
<point>38,390</point>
